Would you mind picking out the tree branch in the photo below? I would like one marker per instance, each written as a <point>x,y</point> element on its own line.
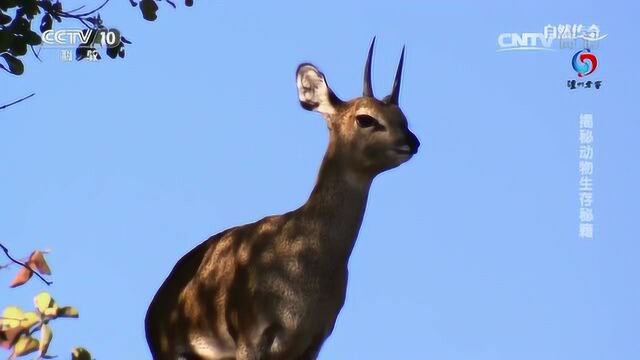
<point>15,102</point>
<point>6,251</point>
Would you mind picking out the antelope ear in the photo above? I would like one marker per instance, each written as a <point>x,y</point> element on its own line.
<point>313,92</point>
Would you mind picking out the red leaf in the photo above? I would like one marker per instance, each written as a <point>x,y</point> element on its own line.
<point>22,277</point>
<point>10,336</point>
<point>37,261</point>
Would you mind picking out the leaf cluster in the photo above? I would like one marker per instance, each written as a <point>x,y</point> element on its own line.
<point>26,332</point>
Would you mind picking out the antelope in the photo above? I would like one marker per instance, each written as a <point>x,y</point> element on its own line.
<point>273,289</point>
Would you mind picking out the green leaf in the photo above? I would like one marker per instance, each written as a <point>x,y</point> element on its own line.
<point>51,313</point>
<point>11,317</point>
<point>17,68</point>
<point>9,337</point>
<point>4,19</point>
<point>25,345</point>
<point>18,46</point>
<point>43,301</point>
<point>45,339</point>
<point>68,311</point>
<point>29,319</point>
<point>149,9</point>
<point>46,23</point>
<point>32,38</point>
<point>80,353</point>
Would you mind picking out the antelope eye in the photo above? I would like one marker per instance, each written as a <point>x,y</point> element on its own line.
<point>366,121</point>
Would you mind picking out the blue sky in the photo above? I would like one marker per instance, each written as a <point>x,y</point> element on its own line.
<point>468,251</point>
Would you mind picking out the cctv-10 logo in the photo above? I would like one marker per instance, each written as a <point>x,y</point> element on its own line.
<point>69,38</point>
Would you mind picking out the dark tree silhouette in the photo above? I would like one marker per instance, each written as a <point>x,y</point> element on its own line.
<point>22,23</point>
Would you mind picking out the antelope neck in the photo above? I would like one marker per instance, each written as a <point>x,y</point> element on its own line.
<point>336,206</point>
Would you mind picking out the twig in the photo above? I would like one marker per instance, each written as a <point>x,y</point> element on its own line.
<point>4,266</point>
<point>6,251</point>
<point>35,328</point>
<point>25,259</point>
<point>76,9</point>
<point>37,54</point>
<point>11,318</point>
<point>17,101</point>
<point>83,17</point>
<point>88,12</point>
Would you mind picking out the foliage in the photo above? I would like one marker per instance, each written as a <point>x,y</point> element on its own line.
<point>35,261</point>
<point>18,328</point>
<point>26,332</point>
<point>22,23</point>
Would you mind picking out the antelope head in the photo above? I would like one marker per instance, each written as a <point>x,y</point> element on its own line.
<point>367,134</point>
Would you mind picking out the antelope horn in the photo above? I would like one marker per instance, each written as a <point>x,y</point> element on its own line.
<point>395,92</point>
<point>367,87</point>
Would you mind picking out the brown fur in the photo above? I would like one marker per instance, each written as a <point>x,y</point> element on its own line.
<point>273,289</point>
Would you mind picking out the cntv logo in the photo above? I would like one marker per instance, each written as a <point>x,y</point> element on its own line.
<point>524,41</point>
<point>565,34</point>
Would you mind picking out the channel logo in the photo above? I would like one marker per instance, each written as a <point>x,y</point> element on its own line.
<point>584,62</point>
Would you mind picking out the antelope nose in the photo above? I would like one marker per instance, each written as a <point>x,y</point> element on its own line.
<point>413,142</point>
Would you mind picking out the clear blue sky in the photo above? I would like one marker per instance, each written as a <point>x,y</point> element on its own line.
<point>469,251</point>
